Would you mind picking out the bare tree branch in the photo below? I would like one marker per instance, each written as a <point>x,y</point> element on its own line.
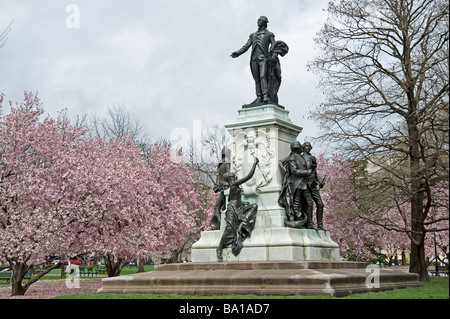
<point>4,34</point>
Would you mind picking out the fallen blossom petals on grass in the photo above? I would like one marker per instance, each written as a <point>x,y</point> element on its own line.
<point>48,289</point>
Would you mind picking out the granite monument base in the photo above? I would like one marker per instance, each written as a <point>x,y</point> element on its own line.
<point>270,244</point>
<point>279,278</point>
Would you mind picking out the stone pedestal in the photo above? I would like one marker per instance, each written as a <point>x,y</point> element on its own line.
<point>266,132</point>
<point>270,244</point>
<point>283,278</point>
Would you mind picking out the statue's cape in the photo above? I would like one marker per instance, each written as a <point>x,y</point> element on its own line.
<point>279,48</point>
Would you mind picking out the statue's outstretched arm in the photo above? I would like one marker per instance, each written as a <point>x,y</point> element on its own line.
<point>242,50</point>
<point>249,175</point>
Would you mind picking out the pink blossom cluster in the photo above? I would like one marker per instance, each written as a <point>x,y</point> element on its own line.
<point>352,232</point>
<point>388,231</point>
<point>62,194</point>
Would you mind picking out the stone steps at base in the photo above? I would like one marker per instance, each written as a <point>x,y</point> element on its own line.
<point>288,278</point>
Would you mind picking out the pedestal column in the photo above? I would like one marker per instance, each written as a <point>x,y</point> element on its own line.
<point>266,132</point>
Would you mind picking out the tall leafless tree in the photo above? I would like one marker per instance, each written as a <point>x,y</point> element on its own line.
<point>119,122</point>
<point>384,70</point>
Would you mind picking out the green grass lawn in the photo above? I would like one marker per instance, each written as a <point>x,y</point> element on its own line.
<point>437,288</point>
<point>133,270</point>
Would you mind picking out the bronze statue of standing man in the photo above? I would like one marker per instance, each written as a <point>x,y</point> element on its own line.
<point>264,62</point>
<point>295,196</point>
<point>314,180</point>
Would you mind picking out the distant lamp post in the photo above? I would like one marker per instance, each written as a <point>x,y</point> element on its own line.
<point>433,226</point>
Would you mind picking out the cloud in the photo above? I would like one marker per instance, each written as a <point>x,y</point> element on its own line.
<point>166,60</point>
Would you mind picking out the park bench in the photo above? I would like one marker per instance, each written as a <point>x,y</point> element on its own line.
<point>89,271</point>
<point>6,275</point>
<point>92,271</point>
<point>36,272</point>
<point>442,270</point>
<point>101,269</point>
<point>28,275</point>
<point>83,270</point>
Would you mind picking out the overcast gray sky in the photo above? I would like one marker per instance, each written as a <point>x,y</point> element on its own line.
<point>167,61</point>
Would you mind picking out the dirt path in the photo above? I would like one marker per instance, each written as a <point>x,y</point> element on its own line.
<point>47,289</point>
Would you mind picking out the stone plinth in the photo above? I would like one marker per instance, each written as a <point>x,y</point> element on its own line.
<point>334,278</point>
<point>270,244</point>
<point>266,132</point>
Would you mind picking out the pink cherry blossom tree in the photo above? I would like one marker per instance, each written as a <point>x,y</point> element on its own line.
<point>33,165</point>
<point>359,234</point>
<point>356,236</point>
<point>63,194</point>
<point>340,211</point>
<point>133,206</point>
